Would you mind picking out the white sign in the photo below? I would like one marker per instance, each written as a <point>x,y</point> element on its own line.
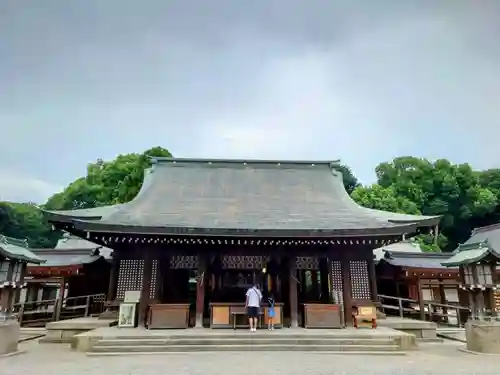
<point>132,296</point>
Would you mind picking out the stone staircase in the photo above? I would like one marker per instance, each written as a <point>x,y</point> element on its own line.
<point>246,341</point>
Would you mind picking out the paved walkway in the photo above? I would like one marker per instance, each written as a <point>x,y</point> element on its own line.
<point>440,359</point>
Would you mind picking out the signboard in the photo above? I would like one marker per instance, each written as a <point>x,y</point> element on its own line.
<point>132,296</point>
<point>127,315</point>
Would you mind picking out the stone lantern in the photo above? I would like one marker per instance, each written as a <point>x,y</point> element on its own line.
<point>477,263</point>
<point>14,256</point>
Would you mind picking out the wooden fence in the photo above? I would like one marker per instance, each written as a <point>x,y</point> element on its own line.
<point>39,313</point>
<point>442,314</point>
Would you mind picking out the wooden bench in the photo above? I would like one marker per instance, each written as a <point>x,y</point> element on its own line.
<point>242,311</point>
<point>365,314</point>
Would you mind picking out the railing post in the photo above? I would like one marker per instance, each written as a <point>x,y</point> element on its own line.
<point>55,313</point>
<point>87,306</point>
<point>21,313</point>
<point>401,312</point>
<point>430,311</point>
<point>459,322</point>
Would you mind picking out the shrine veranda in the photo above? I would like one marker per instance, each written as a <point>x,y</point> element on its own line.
<point>200,232</point>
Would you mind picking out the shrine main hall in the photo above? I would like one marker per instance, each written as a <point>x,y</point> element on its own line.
<point>200,232</point>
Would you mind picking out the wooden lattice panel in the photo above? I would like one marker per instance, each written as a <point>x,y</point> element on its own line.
<point>360,281</point>
<point>130,276</point>
<point>184,262</point>
<point>307,263</point>
<point>337,285</point>
<point>154,280</point>
<point>242,262</point>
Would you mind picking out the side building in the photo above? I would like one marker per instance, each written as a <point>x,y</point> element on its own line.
<point>14,257</point>
<point>288,226</point>
<point>74,267</point>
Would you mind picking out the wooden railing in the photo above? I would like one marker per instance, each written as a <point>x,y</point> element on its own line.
<point>39,313</point>
<point>443,314</point>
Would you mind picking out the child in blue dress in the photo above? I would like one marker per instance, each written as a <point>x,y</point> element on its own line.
<point>270,312</point>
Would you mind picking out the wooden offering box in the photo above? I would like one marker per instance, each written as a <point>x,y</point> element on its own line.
<point>224,314</point>
<point>322,315</point>
<point>164,316</point>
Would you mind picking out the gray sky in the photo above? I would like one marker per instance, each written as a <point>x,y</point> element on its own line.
<point>363,81</point>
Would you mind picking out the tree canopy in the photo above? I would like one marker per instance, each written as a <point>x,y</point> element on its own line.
<point>25,221</point>
<point>466,198</point>
<point>106,182</point>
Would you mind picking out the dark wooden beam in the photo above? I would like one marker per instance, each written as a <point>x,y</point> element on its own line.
<point>113,277</point>
<point>294,304</point>
<point>146,285</point>
<point>200,290</point>
<point>347,291</point>
<point>372,275</point>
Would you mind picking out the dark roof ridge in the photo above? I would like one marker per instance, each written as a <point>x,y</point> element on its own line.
<point>416,254</point>
<point>159,160</point>
<point>82,251</point>
<point>22,242</point>
<point>486,228</point>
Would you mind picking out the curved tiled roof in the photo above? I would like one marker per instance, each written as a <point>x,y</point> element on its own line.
<point>17,249</point>
<point>227,197</point>
<point>407,246</point>
<point>416,259</point>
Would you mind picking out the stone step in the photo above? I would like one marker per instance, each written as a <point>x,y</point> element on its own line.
<point>244,348</point>
<point>360,353</point>
<point>257,335</point>
<point>244,341</point>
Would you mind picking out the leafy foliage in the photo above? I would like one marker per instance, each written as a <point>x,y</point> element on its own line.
<point>107,182</point>
<point>25,221</point>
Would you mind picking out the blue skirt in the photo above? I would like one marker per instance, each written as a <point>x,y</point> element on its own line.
<point>270,312</point>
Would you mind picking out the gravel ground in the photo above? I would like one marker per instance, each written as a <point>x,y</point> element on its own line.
<point>439,359</point>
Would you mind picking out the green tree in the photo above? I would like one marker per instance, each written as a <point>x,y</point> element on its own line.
<point>350,180</point>
<point>25,221</point>
<point>106,182</point>
<point>385,199</point>
<point>440,188</point>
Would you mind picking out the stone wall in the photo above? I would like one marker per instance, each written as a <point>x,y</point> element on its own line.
<point>483,336</point>
<point>9,336</point>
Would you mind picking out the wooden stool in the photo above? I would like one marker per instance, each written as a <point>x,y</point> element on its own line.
<point>365,314</point>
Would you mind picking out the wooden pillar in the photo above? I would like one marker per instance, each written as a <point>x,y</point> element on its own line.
<point>420,299</point>
<point>200,290</point>
<point>146,286</point>
<point>324,273</point>
<point>442,300</point>
<point>372,276</point>
<point>347,292</point>
<point>113,278</point>
<point>315,285</point>
<point>292,282</point>
<point>60,300</point>
<point>11,290</point>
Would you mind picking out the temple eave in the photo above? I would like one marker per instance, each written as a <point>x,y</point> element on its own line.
<point>140,229</point>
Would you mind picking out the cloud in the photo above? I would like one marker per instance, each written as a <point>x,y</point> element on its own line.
<point>274,79</point>
<point>16,187</point>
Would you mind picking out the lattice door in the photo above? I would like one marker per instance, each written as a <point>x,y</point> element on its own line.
<point>360,279</point>
<point>130,276</point>
<point>337,285</point>
<point>184,262</point>
<point>497,300</point>
<point>154,280</point>
<point>307,263</point>
<point>242,262</point>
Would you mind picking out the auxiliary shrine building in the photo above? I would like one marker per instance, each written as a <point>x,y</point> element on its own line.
<point>200,232</point>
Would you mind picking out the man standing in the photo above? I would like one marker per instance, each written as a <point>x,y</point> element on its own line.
<point>254,296</point>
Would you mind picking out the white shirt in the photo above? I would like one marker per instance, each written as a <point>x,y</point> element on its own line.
<point>253,297</point>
